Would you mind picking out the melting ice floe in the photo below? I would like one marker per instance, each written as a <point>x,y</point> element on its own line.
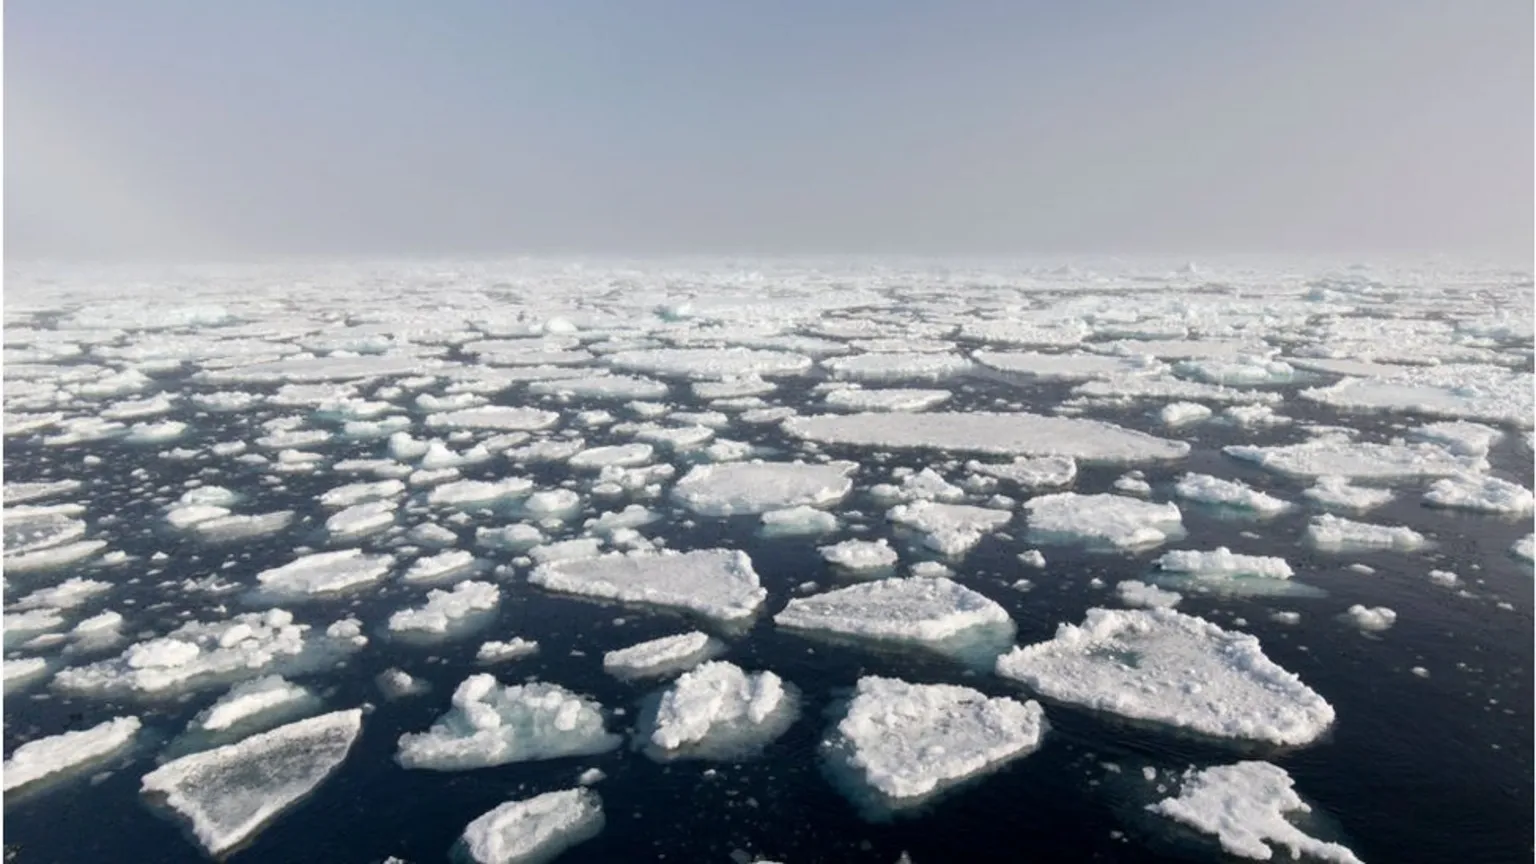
<point>750,488</point>
<point>861,555</point>
<point>663,656</point>
<point>1177,670</point>
<point>1206,489</point>
<point>1223,562</point>
<point>1336,534</point>
<point>1002,434</point>
<point>200,653</point>
<point>1110,520</point>
<point>1245,806</point>
<point>492,725</point>
<point>324,573</point>
<point>718,711</point>
<point>1135,593</point>
<point>900,744</point>
<point>800,520</point>
<point>534,829</point>
<point>950,529</point>
<point>1038,473</point>
<point>715,583</point>
<point>886,399</point>
<point>447,610</point>
<point>229,793</point>
<point>1336,493</point>
<point>933,613</point>
<point>1345,458</point>
<point>67,751</point>
<point>1371,618</point>
<point>248,707</point>
<point>1480,495</point>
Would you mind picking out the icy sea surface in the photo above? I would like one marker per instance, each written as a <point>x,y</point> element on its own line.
<point>321,562</point>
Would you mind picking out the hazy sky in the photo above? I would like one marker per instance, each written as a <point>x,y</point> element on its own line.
<point>223,129</point>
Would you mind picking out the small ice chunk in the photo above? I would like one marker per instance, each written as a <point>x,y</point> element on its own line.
<point>1331,533</point>
<point>360,493</point>
<point>397,683</point>
<point>1228,493</point>
<point>432,534</point>
<point>750,488</point>
<point>497,651</point>
<point>1480,494</point>
<point>715,583</point>
<point>900,744</point>
<point>552,504</point>
<point>934,613</point>
<point>1183,413</point>
<point>861,555</point>
<point>887,399</point>
<point>324,573</point>
<point>1444,578</point>
<point>1336,493</point>
<point>1039,472</point>
<point>1245,806</point>
<point>361,519</point>
<point>502,418</point>
<point>229,793</point>
<point>46,757</point>
<point>803,519</point>
<point>1015,434</point>
<point>445,610</point>
<point>493,725</point>
<point>441,567</point>
<point>1165,667</point>
<point>66,595</point>
<point>1371,619</point>
<point>623,455</point>
<point>1223,562</point>
<point>1525,547</point>
<point>950,529</point>
<point>532,830</point>
<point>664,656</point>
<point>1032,558</point>
<point>248,700</point>
<point>23,670</point>
<point>1286,617</point>
<point>1133,483</point>
<point>1460,437</point>
<point>1134,593</point>
<point>1111,520</point>
<point>718,711</point>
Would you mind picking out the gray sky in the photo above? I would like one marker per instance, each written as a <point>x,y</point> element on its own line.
<point>220,130</point>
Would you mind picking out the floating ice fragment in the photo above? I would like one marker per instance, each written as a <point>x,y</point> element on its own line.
<point>1336,493</point>
<point>445,565</point>
<point>532,830</point>
<point>715,583</point>
<point>798,520</point>
<point>861,555</point>
<point>1134,593</point>
<point>717,711</point>
<point>1372,619</point>
<point>1031,473</point>
<point>502,418</point>
<point>493,725</point>
<point>664,656</point>
<point>749,488</point>
<point>1223,562</point>
<point>497,651</point>
<point>1111,520</point>
<point>1480,494</point>
<point>445,610</point>
<point>56,754</point>
<point>1331,533</point>
<point>979,432</point>
<point>1228,493</point>
<point>1344,458</point>
<point>324,573</point>
<point>950,529</point>
<point>935,613</point>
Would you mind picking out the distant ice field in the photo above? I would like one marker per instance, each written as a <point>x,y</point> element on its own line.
<point>827,561</point>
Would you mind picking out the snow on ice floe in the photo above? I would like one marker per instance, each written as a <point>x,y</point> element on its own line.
<point>1233,494</point>
<point>23,671</point>
<point>1043,472</point>
<point>899,744</point>
<point>352,494</point>
<point>442,567</point>
<point>228,794</point>
<point>752,488</point>
<point>1467,392</point>
<point>22,493</point>
<point>1068,367</point>
<point>1245,806</point>
<point>198,654</point>
<point>475,494</point>
<point>1357,459</point>
<point>447,610</point>
<point>532,830</point>
<point>66,752</point>
<point>719,584</point>
<point>897,367</point>
<point>950,529</point>
<point>65,595</point>
<point>360,520</point>
<point>241,526</point>
<point>1223,562</point>
<point>501,418</point>
<point>884,399</point>
<point>664,656</point>
<point>1336,493</point>
<point>933,613</point>
<point>1164,667</point>
<point>1480,495</point>
<point>1183,413</point>
<point>490,724</point>
<point>1133,592</point>
<point>1331,533</point>
<point>324,573</point>
<point>603,387</point>
<point>709,363</point>
<point>622,455</point>
<point>1001,434</point>
<point>1113,521</point>
<point>718,711</point>
<point>861,555</point>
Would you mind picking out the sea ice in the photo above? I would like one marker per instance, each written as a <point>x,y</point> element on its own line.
<point>603,387</point>
<point>622,455</point>
<point>1165,667</point>
<point>1336,493</point>
<point>443,566</point>
<point>950,529</point>
<point>1002,434</point>
<point>717,711</point>
<point>324,573</point>
<point>1043,472</point>
<point>1480,494</point>
<point>799,520</point>
<point>361,519</point>
<point>861,555</point>
<point>1245,806</point>
<point>66,595</point>
<point>498,651</point>
<point>229,793</point>
<point>1223,563</point>
<point>532,830</point>
<point>1335,534</point>
<point>502,418</point>
<point>887,399</point>
<point>1134,593</point>
<point>249,700</point>
<point>714,583</point>
<point>476,494</point>
<point>1371,619</point>
<point>900,744</point>
<point>446,609</point>
<point>750,488</point>
<point>897,367</point>
<point>1183,413</point>
<point>1460,437</point>
<point>490,724</point>
<point>1206,489</point>
<point>1357,459</point>
<point>1110,520</point>
<point>709,363</point>
<point>934,613</point>
<point>664,656</point>
<point>46,757</point>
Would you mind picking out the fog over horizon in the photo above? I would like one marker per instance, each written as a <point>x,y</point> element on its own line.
<point>178,130</point>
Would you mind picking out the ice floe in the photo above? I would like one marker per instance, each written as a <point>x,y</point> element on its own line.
<point>1480,494</point>
<point>1205,489</point>
<point>1357,459</point>
<point>666,655</point>
<point>1044,472</point>
<point>501,418</point>
<point>1133,592</point>
<point>324,573</point>
<point>950,529</point>
<point>1332,533</point>
<point>751,488</point>
<point>1223,563</point>
<point>861,555</point>
<point>500,651</point>
<point>47,757</point>
<point>1164,667</point>
<point>934,613</point>
<point>1336,493</point>
<point>718,711</point>
<point>801,520</point>
<point>885,399</point>
<point>1371,618</point>
<point>1102,520</point>
<point>490,724</point>
<point>716,583</point>
<point>447,610</point>
<point>532,830</point>
<point>1001,434</point>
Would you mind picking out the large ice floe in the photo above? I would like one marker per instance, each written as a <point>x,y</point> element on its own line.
<point>227,794</point>
<point>719,584</point>
<point>1001,434</point>
<point>932,613</point>
<point>1112,521</point>
<point>1175,670</point>
<point>491,724</point>
<point>532,830</point>
<point>718,711</point>
<point>752,488</point>
<point>1245,807</point>
<point>198,654</point>
<point>899,745</point>
<point>67,752</point>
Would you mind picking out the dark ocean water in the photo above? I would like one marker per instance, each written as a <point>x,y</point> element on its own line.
<point>1417,769</point>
